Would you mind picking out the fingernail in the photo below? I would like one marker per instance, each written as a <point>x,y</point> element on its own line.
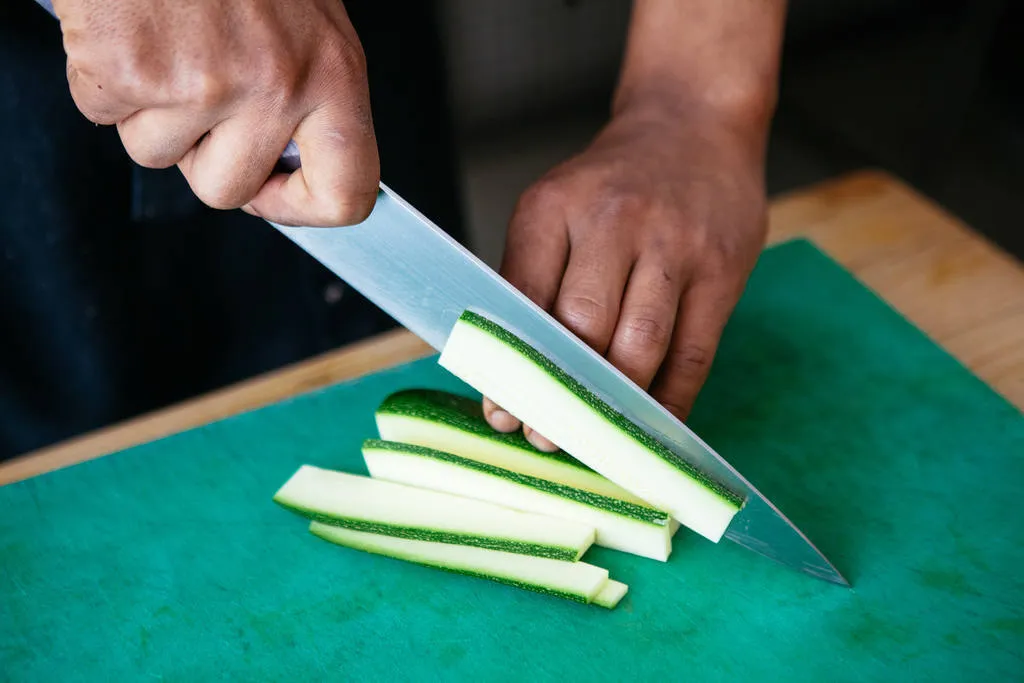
<point>539,442</point>
<point>503,422</point>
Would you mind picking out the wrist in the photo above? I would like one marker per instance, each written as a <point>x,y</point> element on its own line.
<point>743,118</point>
<point>747,108</point>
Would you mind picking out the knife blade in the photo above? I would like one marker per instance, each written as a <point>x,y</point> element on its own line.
<point>424,279</point>
<point>421,277</point>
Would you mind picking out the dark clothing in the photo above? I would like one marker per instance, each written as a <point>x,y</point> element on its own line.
<point>121,293</point>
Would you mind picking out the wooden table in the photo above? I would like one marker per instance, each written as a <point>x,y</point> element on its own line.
<point>964,292</point>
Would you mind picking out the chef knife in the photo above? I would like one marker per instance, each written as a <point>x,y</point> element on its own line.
<point>424,279</point>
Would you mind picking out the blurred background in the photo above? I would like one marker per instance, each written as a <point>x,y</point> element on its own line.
<point>144,301</point>
<point>929,90</point>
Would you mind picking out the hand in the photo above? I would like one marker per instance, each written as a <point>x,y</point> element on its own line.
<point>641,245</point>
<point>219,87</point>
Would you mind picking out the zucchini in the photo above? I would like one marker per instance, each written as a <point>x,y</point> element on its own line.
<point>524,382</point>
<point>577,581</point>
<point>364,504</point>
<point>456,424</point>
<point>610,595</point>
<point>620,525</point>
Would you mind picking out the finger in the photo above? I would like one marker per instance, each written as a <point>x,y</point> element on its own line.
<point>230,166</point>
<point>98,104</point>
<point>590,296</point>
<point>340,174</point>
<point>160,138</point>
<point>591,292</point>
<point>538,441</point>
<point>536,246</point>
<point>536,249</point>
<point>644,328</point>
<point>498,418</point>
<point>704,310</point>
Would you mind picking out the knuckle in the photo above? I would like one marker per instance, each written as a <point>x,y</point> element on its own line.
<point>346,59</point>
<point>690,360</point>
<point>584,315</point>
<point>353,59</point>
<point>277,74</point>
<point>621,206</point>
<point>93,109</point>
<point>673,233</point>
<point>726,270</point>
<point>145,155</point>
<point>715,263</point>
<point>540,196</point>
<point>135,78</point>
<point>100,118</point>
<point>206,90</point>
<point>645,332</point>
<point>219,194</point>
<point>89,97</point>
<point>280,83</point>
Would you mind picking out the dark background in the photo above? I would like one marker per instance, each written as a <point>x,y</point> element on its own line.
<point>123,295</point>
<point>928,90</point>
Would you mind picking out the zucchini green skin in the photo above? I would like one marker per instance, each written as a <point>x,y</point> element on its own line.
<point>369,548</point>
<point>464,414</point>
<point>418,534</point>
<point>608,413</point>
<point>595,500</point>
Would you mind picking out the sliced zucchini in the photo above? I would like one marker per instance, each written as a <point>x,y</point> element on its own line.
<point>456,424</point>
<point>500,365</point>
<point>610,595</point>
<point>620,525</point>
<point>383,507</point>
<point>577,581</point>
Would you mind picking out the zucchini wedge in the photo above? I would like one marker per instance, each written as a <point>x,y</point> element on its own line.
<point>620,525</point>
<point>382,507</point>
<point>524,382</point>
<point>577,581</point>
<point>611,594</point>
<point>456,424</point>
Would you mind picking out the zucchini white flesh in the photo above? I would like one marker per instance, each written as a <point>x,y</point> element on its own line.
<point>456,424</point>
<point>640,530</point>
<point>384,507</point>
<point>611,594</point>
<point>577,581</point>
<point>521,380</point>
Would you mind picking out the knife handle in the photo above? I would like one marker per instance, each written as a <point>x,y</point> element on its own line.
<point>290,157</point>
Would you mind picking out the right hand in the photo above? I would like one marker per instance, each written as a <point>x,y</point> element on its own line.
<point>219,87</point>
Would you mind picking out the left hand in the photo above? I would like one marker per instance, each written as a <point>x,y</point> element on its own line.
<point>641,245</point>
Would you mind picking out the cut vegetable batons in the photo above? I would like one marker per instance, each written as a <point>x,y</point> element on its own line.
<point>611,594</point>
<point>528,385</point>
<point>456,424</point>
<point>620,525</point>
<point>577,581</point>
<point>364,504</point>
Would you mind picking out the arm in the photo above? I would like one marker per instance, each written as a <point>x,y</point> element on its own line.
<point>642,244</point>
<point>718,58</point>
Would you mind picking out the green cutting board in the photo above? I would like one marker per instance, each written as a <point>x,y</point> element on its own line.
<point>169,561</point>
